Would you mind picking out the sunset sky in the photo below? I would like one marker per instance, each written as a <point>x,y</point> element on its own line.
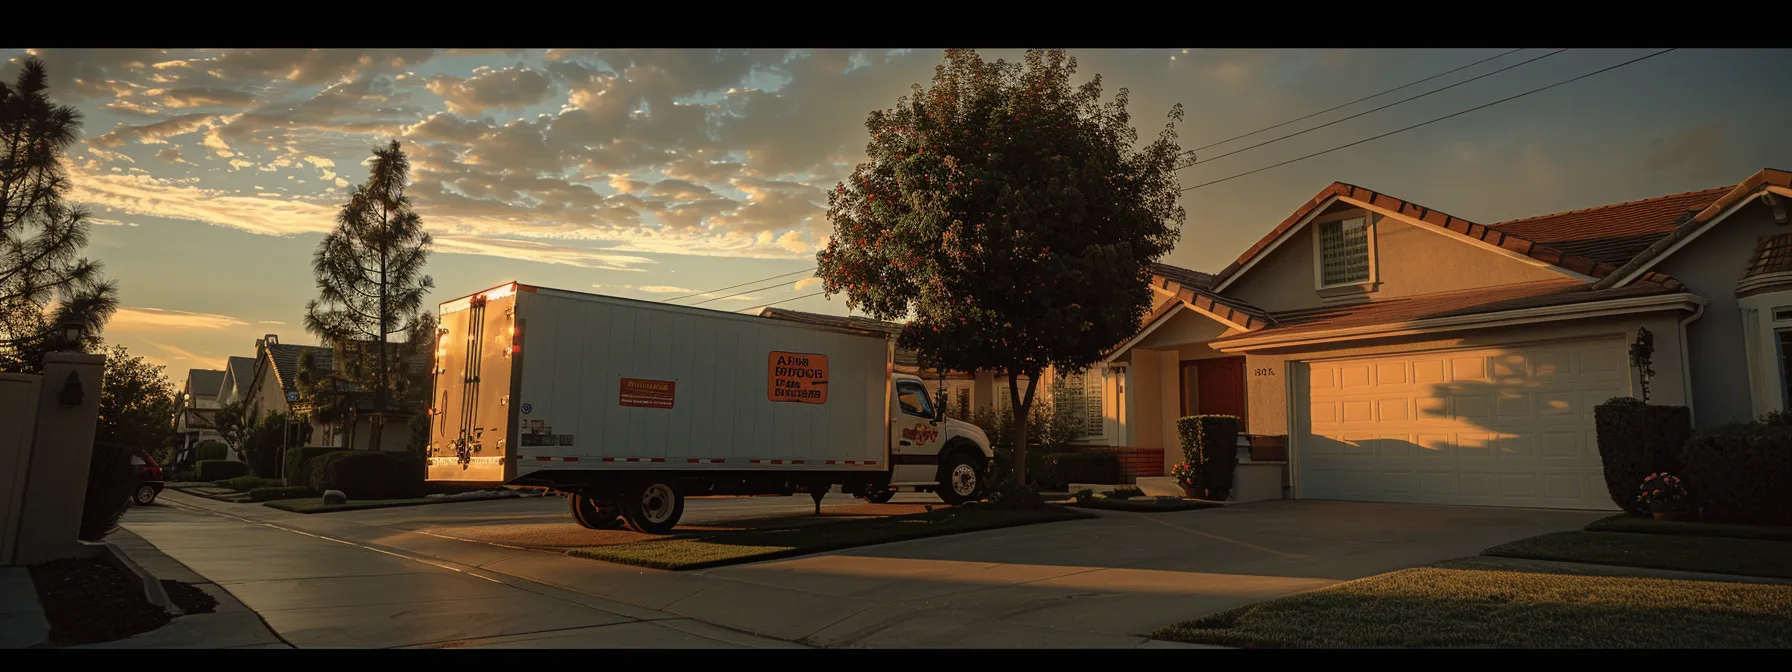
<point>651,174</point>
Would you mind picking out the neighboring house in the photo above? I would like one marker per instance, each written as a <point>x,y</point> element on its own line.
<point>274,387</point>
<point>358,434</point>
<point>198,405</point>
<point>1412,356</point>
<point>238,372</point>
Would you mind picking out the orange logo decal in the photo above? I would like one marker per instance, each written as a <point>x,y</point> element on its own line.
<point>920,434</point>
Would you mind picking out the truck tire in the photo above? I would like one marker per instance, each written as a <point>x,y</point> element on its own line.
<point>961,480</point>
<point>653,506</point>
<point>590,515</point>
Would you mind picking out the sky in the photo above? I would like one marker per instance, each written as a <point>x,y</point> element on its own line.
<point>652,174</point>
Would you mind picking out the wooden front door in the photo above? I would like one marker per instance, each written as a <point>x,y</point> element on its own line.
<point>1219,387</point>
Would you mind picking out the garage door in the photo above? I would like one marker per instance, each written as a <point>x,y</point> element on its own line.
<point>1503,427</point>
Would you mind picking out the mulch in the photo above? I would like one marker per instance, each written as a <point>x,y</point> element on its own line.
<point>190,598</point>
<point>92,601</point>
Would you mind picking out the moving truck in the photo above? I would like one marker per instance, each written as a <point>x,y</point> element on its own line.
<point>628,407</point>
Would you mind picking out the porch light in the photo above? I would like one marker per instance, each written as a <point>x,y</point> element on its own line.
<point>72,331</point>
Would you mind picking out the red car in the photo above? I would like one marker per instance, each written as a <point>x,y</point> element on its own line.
<point>148,480</point>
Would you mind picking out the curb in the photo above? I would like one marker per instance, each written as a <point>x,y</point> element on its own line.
<point>151,586</point>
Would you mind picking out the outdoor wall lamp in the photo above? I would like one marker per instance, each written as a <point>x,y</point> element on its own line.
<point>72,330</point>
<point>71,391</point>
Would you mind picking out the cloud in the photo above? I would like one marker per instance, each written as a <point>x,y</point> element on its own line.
<point>530,250</point>
<point>139,319</point>
<point>509,88</point>
<point>1698,149</point>
<point>172,155</point>
<point>178,354</point>
<point>806,283</point>
<point>665,289</point>
<point>270,322</point>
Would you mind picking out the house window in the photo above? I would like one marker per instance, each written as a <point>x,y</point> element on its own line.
<point>1345,256</point>
<point>1083,391</point>
<point>962,405</point>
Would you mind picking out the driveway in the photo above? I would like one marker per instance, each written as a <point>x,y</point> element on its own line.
<point>1088,583</point>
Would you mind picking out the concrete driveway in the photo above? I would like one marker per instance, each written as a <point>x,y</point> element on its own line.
<point>1089,583</point>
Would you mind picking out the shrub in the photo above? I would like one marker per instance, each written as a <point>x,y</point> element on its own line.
<point>275,492</point>
<point>1125,492</point>
<point>246,483</point>
<point>261,446</point>
<point>1057,470</point>
<point>110,476</point>
<point>369,474</point>
<point>211,450</point>
<point>1210,445</point>
<point>213,471</point>
<point>299,462</point>
<point>1739,474</point>
<point>1636,439</point>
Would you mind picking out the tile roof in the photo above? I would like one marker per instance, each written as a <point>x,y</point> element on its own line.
<point>1192,288</point>
<point>1690,226</point>
<point>240,370</point>
<point>204,382</point>
<point>1612,234</point>
<point>1183,276</point>
<point>1484,300</point>
<point>1772,255</point>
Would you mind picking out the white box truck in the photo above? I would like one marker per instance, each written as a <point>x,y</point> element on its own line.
<point>627,407</point>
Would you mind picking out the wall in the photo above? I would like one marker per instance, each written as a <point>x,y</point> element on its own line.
<point>1767,386</point>
<point>266,394</point>
<point>1710,265</point>
<point>1409,260</point>
<point>1268,395</point>
<point>55,483</point>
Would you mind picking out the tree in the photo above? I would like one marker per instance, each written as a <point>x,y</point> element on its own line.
<point>232,422</point>
<point>43,280</point>
<point>1008,214</point>
<point>136,404</point>
<point>371,285</point>
<point>262,443</point>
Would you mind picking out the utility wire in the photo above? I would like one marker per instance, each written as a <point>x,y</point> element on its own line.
<point>730,296</point>
<point>1339,107</point>
<point>1378,109</point>
<point>1433,121</point>
<point>805,296</point>
<point>750,282</point>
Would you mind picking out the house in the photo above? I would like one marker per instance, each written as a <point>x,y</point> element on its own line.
<point>198,405</point>
<point>1409,355</point>
<point>238,372</point>
<point>274,387</point>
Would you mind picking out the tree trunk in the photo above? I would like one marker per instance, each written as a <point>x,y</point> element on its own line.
<point>1023,406</point>
<point>378,420</point>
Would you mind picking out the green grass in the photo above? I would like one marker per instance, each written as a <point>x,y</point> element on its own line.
<point>317,505</point>
<point>734,547</point>
<point>1461,604</point>
<point>1716,555</point>
<point>1627,523</point>
<point>247,483</point>
<point>1143,505</point>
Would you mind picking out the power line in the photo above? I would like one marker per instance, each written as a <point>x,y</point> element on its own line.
<point>749,282</point>
<point>1339,107</point>
<point>1456,114</point>
<point>730,296</point>
<point>1378,109</point>
<point>805,296</point>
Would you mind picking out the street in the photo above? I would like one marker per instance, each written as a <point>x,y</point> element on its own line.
<point>394,578</point>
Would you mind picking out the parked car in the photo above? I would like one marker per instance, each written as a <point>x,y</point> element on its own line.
<point>148,479</point>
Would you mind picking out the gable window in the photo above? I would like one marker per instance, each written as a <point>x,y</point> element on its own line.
<point>1346,251</point>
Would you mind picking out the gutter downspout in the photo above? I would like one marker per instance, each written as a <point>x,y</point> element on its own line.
<point>1686,362</point>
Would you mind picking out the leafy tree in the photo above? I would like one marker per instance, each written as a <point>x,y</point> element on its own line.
<point>232,423</point>
<point>371,285</point>
<point>329,398</point>
<point>136,404</point>
<point>1007,213</point>
<point>262,444</point>
<point>43,280</point>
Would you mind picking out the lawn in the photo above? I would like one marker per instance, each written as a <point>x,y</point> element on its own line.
<point>734,547</point>
<point>317,505</point>
<point>1628,523</point>
<point>1716,555</point>
<point>1485,604</point>
<point>1143,504</point>
<point>247,483</point>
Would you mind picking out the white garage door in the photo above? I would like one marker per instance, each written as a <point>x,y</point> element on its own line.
<point>1503,427</point>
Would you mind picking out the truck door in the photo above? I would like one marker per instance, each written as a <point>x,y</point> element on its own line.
<point>917,434</point>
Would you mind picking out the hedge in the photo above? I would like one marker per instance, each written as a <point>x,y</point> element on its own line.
<point>211,450</point>
<point>1057,470</point>
<point>1636,439</point>
<point>1210,445</point>
<point>272,493</point>
<point>1740,474</point>
<point>299,462</point>
<point>212,471</point>
<point>369,474</point>
<point>110,477</point>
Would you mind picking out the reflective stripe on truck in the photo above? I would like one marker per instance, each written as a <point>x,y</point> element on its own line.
<point>697,460</point>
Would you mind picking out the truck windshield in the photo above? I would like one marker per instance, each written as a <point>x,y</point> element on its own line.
<point>913,398</point>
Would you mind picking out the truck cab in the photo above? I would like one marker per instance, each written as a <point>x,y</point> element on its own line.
<point>930,452</point>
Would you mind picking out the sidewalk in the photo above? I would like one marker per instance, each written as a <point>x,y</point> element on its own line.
<point>22,622</point>
<point>231,625</point>
<point>322,588</point>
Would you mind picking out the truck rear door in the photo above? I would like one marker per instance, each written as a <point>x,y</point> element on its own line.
<point>471,415</point>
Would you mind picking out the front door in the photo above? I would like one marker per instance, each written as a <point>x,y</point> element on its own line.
<point>916,454</point>
<point>1219,387</point>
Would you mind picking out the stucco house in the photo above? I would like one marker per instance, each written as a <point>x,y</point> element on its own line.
<point>273,387</point>
<point>1409,355</point>
<point>197,405</point>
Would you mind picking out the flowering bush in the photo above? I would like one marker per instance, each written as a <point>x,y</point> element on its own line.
<point>1662,490</point>
<point>1184,473</point>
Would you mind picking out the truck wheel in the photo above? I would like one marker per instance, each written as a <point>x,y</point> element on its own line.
<point>590,515</point>
<point>961,480</point>
<point>653,507</point>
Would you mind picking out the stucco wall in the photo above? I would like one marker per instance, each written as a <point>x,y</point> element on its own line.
<point>1409,261</point>
<point>1268,394</point>
<point>266,395</point>
<point>1710,265</point>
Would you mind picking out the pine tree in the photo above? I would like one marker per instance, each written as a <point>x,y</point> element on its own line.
<point>371,286</point>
